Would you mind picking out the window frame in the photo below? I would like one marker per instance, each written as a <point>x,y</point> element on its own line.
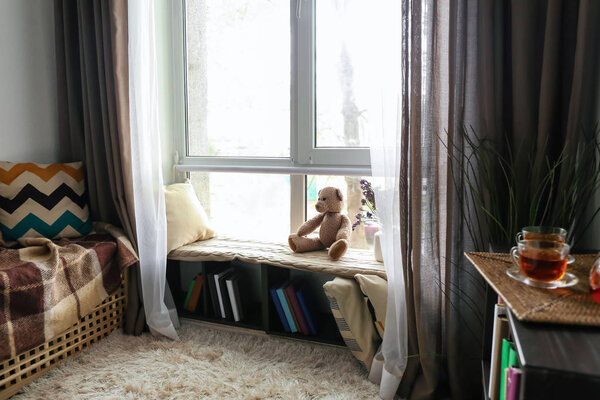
<point>304,153</point>
<point>305,157</point>
<point>304,79</point>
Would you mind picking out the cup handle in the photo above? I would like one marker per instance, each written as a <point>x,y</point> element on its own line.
<point>514,256</point>
<point>519,236</point>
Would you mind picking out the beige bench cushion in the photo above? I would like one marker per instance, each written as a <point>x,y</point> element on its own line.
<point>375,288</point>
<point>353,318</point>
<point>354,262</point>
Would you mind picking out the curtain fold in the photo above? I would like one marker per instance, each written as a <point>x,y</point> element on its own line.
<point>525,71</point>
<point>150,215</point>
<point>93,110</point>
<point>386,144</point>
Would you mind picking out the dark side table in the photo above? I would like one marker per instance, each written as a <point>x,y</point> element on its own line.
<point>558,361</point>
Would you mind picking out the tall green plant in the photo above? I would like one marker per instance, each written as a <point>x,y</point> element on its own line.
<point>502,191</point>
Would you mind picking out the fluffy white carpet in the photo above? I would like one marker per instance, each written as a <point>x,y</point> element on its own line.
<point>205,364</point>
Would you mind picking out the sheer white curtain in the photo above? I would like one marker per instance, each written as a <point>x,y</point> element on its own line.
<point>385,142</point>
<point>149,200</point>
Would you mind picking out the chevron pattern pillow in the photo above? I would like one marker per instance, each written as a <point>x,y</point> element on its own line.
<point>43,200</point>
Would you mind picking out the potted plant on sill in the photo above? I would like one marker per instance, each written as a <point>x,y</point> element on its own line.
<point>367,215</point>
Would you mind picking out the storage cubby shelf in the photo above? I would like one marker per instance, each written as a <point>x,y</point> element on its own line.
<point>259,311</point>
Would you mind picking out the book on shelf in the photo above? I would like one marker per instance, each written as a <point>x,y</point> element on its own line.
<point>232,282</point>
<point>290,292</point>
<point>224,304</point>
<point>214,298</point>
<point>189,293</point>
<point>304,296</point>
<point>512,362</point>
<point>505,376</point>
<point>513,383</point>
<point>289,303</point>
<point>286,308</point>
<point>503,364</point>
<point>279,309</point>
<point>509,359</point>
<point>500,331</point>
<point>194,297</point>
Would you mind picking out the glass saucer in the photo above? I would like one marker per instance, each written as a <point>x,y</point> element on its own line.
<point>571,259</point>
<point>566,281</point>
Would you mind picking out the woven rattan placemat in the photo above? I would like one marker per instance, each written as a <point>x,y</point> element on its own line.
<point>573,306</point>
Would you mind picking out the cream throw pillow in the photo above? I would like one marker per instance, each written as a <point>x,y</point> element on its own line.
<point>187,221</point>
<point>375,288</point>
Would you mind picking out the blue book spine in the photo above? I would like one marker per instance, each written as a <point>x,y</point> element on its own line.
<point>282,317</point>
<point>309,318</point>
<point>286,310</point>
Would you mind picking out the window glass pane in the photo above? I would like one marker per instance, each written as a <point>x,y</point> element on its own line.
<point>238,78</point>
<point>362,236</point>
<point>344,71</point>
<point>246,206</point>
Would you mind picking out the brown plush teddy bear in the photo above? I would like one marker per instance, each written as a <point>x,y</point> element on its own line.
<point>335,227</point>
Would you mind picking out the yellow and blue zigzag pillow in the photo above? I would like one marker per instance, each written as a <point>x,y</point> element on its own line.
<point>43,200</point>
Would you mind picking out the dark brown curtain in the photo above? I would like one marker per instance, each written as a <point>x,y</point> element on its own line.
<point>543,90</point>
<point>93,104</point>
<point>524,69</point>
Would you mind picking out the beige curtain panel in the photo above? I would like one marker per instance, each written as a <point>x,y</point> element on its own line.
<point>524,69</point>
<point>93,105</point>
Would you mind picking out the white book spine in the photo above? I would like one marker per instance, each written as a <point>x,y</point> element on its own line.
<point>220,296</point>
<point>232,299</point>
<point>499,311</point>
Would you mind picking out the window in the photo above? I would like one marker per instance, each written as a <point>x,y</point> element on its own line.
<point>343,72</point>
<point>238,79</point>
<point>275,96</point>
<point>253,206</point>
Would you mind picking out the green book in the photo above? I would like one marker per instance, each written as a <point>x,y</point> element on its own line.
<point>503,366</point>
<point>509,359</point>
<point>189,293</point>
<point>512,356</point>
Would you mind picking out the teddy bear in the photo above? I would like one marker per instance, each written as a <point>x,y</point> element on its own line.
<point>335,227</point>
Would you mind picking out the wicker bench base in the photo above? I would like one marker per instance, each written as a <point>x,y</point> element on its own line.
<point>18,371</point>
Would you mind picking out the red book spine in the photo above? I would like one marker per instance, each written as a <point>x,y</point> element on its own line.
<point>291,294</point>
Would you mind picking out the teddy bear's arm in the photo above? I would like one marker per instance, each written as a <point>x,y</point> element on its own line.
<point>345,229</point>
<point>310,225</point>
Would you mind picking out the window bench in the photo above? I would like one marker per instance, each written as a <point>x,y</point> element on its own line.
<point>355,261</point>
<point>274,263</point>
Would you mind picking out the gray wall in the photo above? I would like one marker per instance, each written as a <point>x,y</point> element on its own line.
<point>28,111</point>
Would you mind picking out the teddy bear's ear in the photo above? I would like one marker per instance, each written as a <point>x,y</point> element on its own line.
<point>339,194</point>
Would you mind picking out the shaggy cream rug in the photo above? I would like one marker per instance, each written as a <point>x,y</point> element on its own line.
<point>205,364</point>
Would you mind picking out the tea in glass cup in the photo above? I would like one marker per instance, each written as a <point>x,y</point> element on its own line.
<point>540,260</point>
<point>542,233</point>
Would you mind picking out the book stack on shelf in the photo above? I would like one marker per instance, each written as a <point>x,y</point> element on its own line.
<point>505,374</point>
<point>224,291</point>
<point>293,302</point>
<point>224,294</point>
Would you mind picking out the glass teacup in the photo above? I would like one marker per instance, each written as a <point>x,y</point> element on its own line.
<point>541,263</point>
<point>542,233</point>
